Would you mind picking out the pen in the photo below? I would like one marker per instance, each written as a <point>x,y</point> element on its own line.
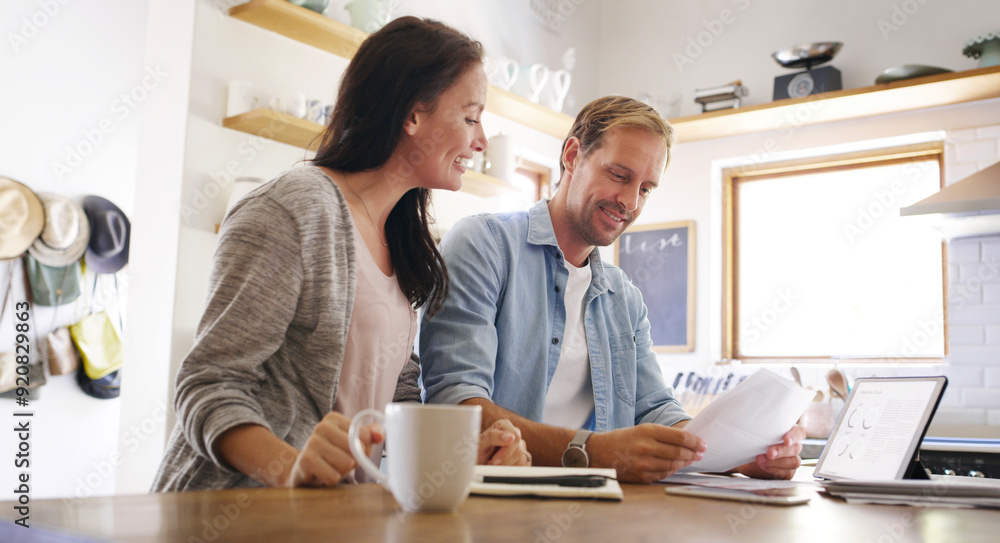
<point>560,480</point>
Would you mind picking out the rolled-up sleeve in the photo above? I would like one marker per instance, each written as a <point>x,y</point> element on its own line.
<point>254,289</point>
<point>458,345</point>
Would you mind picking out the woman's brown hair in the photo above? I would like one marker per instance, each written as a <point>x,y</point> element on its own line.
<point>406,64</point>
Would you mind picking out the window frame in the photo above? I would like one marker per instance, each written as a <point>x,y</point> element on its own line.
<point>732,176</point>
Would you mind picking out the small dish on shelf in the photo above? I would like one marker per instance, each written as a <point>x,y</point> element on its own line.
<point>908,71</point>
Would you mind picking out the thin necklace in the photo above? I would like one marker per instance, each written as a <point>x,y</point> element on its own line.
<point>365,206</point>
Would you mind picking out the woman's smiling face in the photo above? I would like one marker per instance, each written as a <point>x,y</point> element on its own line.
<point>442,138</point>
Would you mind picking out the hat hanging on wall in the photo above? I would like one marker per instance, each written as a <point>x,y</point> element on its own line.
<point>66,233</point>
<point>22,218</point>
<point>105,388</point>
<point>107,251</point>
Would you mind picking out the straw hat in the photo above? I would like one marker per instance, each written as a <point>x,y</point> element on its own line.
<point>66,234</point>
<point>21,218</point>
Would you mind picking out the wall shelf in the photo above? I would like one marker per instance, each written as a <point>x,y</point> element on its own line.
<point>278,126</point>
<point>314,29</point>
<point>301,24</point>
<point>271,124</point>
<point>907,95</point>
<point>311,28</point>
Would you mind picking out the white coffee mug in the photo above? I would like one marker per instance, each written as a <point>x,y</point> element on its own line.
<point>432,450</point>
<point>293,103</point>
<point>501,157</point>
<point>560,81</point>
<point>315,111</point>
<point>241,98</point>
<point>509,69</point>
<point>537,77</point>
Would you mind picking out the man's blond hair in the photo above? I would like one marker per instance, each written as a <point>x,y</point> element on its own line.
<point>603,114</point>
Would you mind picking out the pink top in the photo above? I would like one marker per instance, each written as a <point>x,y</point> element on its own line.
<point>379,340</point>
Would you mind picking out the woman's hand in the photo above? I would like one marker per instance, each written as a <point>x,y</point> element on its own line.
<point>326,458</point>
<point>501,445</point>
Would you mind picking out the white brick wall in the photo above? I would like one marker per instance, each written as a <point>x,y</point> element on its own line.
<point>973,371</point>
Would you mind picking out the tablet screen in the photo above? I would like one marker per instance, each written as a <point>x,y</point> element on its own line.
<point>880,428</point>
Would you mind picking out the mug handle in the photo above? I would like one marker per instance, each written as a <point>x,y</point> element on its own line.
<point>358,450</point>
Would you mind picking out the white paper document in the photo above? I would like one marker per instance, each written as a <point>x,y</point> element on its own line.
<point>737,482</point>
<point>745,421</point>
<point>939,491</point>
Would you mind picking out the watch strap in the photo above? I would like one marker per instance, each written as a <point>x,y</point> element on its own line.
<point>580,439</point>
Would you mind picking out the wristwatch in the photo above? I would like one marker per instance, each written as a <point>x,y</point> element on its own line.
<point>575,455</point>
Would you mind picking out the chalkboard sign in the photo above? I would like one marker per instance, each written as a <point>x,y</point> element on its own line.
<point>659,259</point>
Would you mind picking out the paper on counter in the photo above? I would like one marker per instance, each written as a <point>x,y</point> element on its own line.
<point>745,421</point>
<point>735,482</point>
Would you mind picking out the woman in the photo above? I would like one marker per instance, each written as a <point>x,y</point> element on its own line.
<point>310,316</point>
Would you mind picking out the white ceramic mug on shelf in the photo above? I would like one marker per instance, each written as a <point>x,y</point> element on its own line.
<point>537,77</point>
<point>561,81</point>
<point>432,450</point>
<point>501,157</point>
<point>240,98</point>
<point>507,73</point>
<point>292,103</point>
<point>315,111</point>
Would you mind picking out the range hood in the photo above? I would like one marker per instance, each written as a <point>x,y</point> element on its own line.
<point>970,207</point>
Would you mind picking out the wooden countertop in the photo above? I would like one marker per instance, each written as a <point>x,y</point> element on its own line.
<point>369,513</point>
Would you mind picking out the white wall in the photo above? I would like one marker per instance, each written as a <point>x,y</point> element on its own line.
<point>66,67</point>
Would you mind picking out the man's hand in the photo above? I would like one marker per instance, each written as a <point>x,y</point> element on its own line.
<point>501,445</point>
<point>644,453</point>
<point>780,461</point>
<point>326,457</point>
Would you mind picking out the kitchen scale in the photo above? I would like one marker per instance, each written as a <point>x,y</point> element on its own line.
<point>812,80</point>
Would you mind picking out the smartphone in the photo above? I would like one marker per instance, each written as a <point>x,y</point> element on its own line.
<point>769,496</point>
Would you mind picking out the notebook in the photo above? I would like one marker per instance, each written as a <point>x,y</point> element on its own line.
<point>610,490</point>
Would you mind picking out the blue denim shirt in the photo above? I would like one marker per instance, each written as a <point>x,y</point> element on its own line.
<point>499,333</point>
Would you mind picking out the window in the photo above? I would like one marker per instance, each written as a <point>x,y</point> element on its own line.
<point>819,265</point>
<point>533,178</point>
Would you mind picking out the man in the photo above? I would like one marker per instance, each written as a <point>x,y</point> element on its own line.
<point>538,330</point>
